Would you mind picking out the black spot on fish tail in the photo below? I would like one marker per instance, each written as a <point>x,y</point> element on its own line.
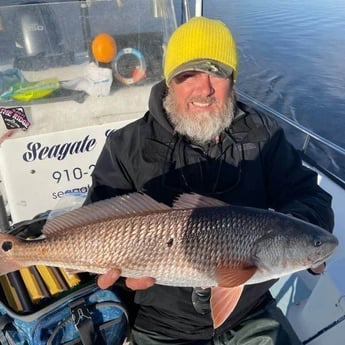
<point>6,246</point>
<point>170,242</point>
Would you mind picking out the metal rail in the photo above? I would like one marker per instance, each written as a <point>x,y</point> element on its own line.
<point>257,104</point>
<point>309,135</point>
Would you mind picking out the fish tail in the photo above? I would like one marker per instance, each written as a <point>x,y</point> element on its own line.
<point>8,261</point>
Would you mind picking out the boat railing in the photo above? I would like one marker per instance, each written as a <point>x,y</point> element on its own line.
<point>308,137</point>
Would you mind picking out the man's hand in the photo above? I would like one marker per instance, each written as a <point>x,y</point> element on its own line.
<point>109,278</point>
<point>318,269</point>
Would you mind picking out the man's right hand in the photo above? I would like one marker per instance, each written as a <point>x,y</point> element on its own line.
<point>109,278</point>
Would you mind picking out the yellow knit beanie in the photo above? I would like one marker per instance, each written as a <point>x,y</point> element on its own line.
<point>201,44</point>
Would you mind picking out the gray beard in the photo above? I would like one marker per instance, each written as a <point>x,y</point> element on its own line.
<point>204,126</point>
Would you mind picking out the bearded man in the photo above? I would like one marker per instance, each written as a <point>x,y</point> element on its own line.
<point>197,138</point>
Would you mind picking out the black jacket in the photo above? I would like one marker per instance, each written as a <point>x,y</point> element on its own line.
<point>252,164</point>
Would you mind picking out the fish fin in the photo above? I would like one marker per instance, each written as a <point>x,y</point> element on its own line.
<point>129,204</point>
<point>7,262</point>
<point>193,200</point>
<point>223,302</point>
<point>233,277</point>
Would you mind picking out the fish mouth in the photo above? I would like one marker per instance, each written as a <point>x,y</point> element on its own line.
<point>320,260</point>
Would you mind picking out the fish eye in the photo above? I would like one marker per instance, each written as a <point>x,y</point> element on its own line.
<point>317,243</point>
<point>6,246</point>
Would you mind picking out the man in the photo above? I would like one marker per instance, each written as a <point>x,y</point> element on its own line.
<point>197,138</point>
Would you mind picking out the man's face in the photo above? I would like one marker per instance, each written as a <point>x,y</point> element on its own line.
<point>200,105</point>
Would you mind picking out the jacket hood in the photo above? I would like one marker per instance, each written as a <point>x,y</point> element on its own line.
<point>158,92</point>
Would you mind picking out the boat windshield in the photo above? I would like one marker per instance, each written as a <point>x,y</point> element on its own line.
<point>70,72</point>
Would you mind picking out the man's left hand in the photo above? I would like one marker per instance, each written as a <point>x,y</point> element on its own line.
<point>318,269</point>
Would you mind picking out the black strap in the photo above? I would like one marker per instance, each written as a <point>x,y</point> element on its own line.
<point>83,322</point>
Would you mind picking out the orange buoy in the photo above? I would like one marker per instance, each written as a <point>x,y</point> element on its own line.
<point>104,48</point>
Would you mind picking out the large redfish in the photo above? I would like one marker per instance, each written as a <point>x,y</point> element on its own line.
<point>199,242</point>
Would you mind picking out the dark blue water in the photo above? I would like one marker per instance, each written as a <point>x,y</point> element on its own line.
<point>292,58</point>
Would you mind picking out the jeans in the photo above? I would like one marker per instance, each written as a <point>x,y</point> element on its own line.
<point>265,327</point>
